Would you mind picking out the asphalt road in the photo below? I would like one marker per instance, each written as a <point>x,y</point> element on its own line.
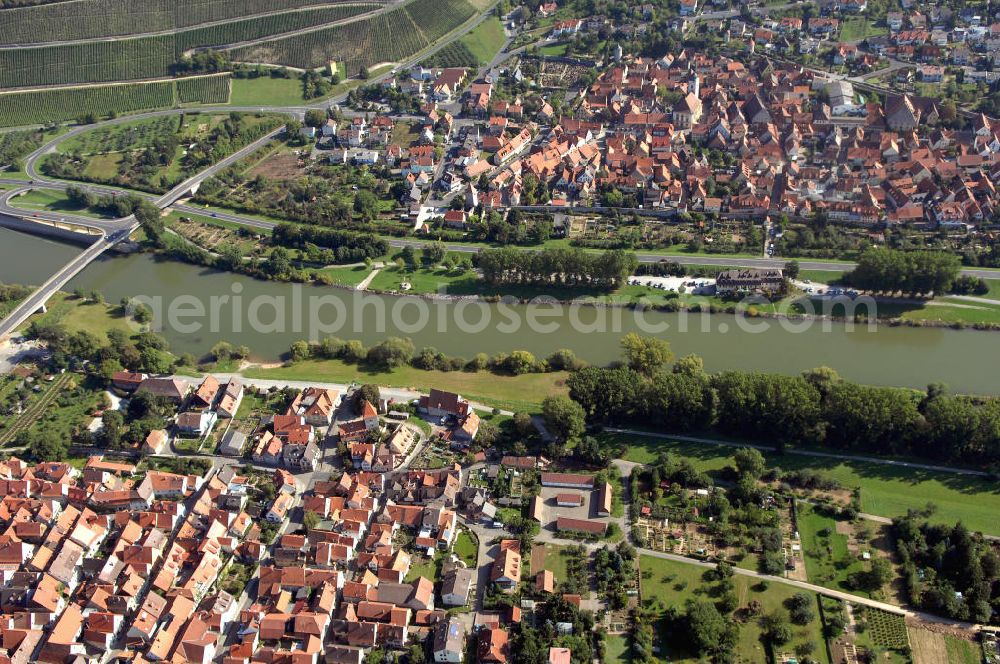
<point>115,230</point>
<point>109,233</point>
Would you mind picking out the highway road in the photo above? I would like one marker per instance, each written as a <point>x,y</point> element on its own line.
<point>108,233</point>
<point>37,300</point>
<point>192,183</point>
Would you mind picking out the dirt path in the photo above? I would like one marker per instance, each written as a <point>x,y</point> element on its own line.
<point>366,282</point>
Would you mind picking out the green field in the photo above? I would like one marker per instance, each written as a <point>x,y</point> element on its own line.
<point>554,50</point>
<point>673,583</point>
<point>943,309</point>
<point>828,562</point>
<point>855,29</point>
<point>86,316</point>
<point>886,490</point>
<point>423,281</point>
<point>486,40</point>
<point>820,276</point>
<point>508,392</point>
<point>345,276</point>
<point>961,651</point>
<point>994,292</point>
<point>266,91</point>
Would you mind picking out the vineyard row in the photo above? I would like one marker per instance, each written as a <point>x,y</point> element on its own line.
<point>91,19</point>
<point>147,57</point>
<point>56,105</point>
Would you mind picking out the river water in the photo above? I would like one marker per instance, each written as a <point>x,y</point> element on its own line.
<point>251,314</point>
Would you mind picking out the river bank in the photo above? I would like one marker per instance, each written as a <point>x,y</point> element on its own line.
<point>904,356</point>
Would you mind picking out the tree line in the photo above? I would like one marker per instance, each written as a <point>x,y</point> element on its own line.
<point>395,352</point>
<point>348,246</point>
<point>817,407</point>
<point>908,271</point>
<point>563,267</point>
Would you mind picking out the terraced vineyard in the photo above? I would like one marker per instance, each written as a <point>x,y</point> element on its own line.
<point>389,37</point>
<point>148,57</point>
<point>262,26</point>
<point>87,19</point>
<point>61,104</point>
<point>94,62</point>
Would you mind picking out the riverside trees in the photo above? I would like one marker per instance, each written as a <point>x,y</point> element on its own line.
<point>561,267</point>
<point>907,271</point>
<point>818,408</point>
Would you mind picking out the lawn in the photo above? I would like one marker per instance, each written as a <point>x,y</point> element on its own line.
<point>554,50</point>
<point>939,309</point>
<point>994,292</point>
<point>673,583</point>
<point>616,649</point>
<point>188,445</point>
<point>828,561</point>
<point>103,166</point>
<point>50,200</point>
<point>266,91</point>
<point>467,549</point>
<point>345,276</point>
<point>524,392</point>
<point>886,490</point>
<point>77,315</point>
<point>855,29</point>
<point>486,40</point>
<point>423,566</point>
<point>820,276</point>
<point>423,281</point>
<point>944,309</point>
<point>555,562</point>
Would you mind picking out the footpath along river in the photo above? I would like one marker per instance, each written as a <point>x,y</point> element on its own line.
<point>966,360</point>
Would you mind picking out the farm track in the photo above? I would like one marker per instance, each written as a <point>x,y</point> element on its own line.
<point>84,86</point>
<point>35,411</point>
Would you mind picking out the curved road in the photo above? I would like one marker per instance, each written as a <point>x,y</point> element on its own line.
<point>109,232</point>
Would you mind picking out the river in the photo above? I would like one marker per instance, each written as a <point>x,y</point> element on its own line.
<point>965,360</point>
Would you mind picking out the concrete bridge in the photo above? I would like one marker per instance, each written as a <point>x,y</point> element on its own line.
<point>100,235</point>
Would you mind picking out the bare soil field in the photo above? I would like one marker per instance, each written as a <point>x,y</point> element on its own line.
<point>928,647</point>
<point>279,166</point>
